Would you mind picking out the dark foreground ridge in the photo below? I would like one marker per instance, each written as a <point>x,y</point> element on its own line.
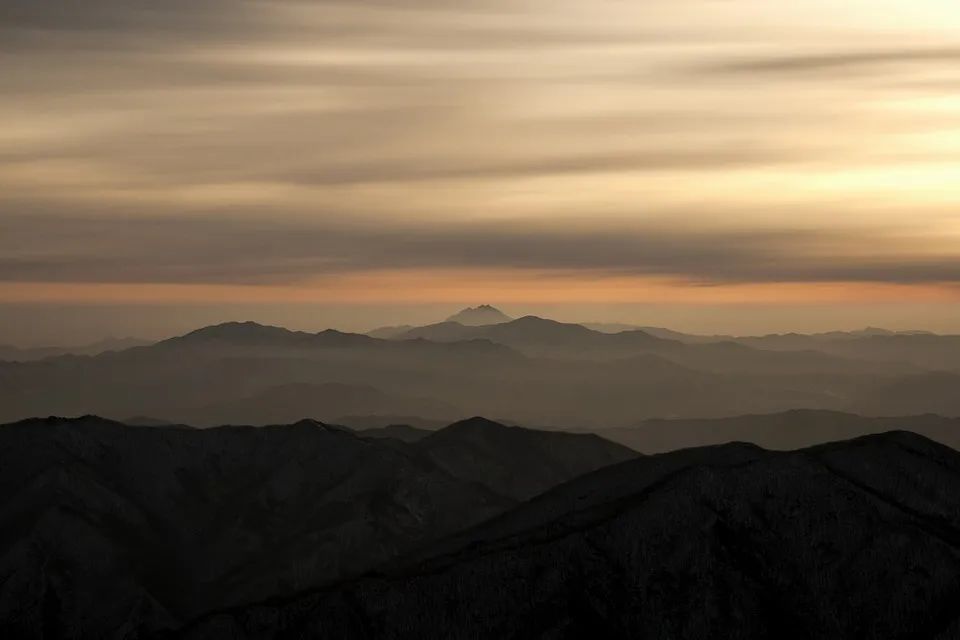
<point>113,531</point>
<point>857,539</point>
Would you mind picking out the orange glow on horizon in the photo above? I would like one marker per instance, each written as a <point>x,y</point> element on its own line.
<point>467,286</point>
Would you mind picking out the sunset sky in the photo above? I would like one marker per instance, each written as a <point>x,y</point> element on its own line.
<point>711,165</point>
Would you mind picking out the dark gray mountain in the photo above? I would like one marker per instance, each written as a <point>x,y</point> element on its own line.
<point>858,539</point>
<point>514,462</point>
<point>112,531</point>
<point>125,530</point>
<point>783,431</point>
<point>370,423</point>
<point>400,432</point>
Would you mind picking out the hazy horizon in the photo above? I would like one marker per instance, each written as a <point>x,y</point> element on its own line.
<point>32,326</point>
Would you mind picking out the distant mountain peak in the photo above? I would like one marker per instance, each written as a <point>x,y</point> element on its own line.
<point>310,423</point>
<point>538,321</point>
<point>479,316</point>
<point>233,331</point>
<point>476,422</point>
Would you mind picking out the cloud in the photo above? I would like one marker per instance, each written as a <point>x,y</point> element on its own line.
<point>650,160</point>
<point>197,250</point>
<point>219,141</point>
<point>834,63</point>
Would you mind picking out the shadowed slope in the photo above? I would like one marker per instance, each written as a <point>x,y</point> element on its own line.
<point>148,527</point>
<point>858,539</point>
<point>785,430</point>
<point>515,462</point>
<point>113,531</point>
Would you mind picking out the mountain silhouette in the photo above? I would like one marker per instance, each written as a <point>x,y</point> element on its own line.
<point>389,333</point>
<point>515,462</point>
<point>252,334</point>
<point>25,354</point>
<point>914,348</point>
<point>113,531</point>
<point>482,315</point>
<point>785,430</point>
<point>855,539</point>
<point>541,337</point>
<point>532,370</point>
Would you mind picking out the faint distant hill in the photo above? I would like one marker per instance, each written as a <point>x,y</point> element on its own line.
<point>542,337</point>
<point>471,317</point>
<point>912,347</point>
<point>401,432</point>
<point>20,354</point>
<point>617,327</point>
<point>854,539</point>
<point>388,333</point>
<point>329,402</point>
<point>478,316</point>
<point>930,392</point>
<point>784,340</point>
<point>783,431</point>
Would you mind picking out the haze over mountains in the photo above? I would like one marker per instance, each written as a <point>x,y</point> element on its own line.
<point>12,353</point>
<point>849,540</point>
<point>293,200</point>
<point>528,370</point>
<point>364,501</point>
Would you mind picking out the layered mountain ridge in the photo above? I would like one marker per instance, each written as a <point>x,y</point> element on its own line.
<point>858,539</point>
<point>117,531</point>
<point>529,370</point>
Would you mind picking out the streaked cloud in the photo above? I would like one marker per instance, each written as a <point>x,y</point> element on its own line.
<point>840,62</point>
<point>251,252</point>
<point>270,143</point>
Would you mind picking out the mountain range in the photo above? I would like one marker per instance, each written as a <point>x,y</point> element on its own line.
<point>111,531</point>
<point>477,530</point>
<point>25,354</point>
<point>857,539</point>
<point>678,486</point>
<point>479,316</point>
<point>782,431</point>
<point>529,370</point>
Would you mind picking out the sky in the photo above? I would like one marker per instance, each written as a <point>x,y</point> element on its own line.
<point>711,165</point>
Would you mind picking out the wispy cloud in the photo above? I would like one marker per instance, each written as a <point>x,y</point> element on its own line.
<point>215,251</point>
<point>837,62</point>
<point>256,141</point>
